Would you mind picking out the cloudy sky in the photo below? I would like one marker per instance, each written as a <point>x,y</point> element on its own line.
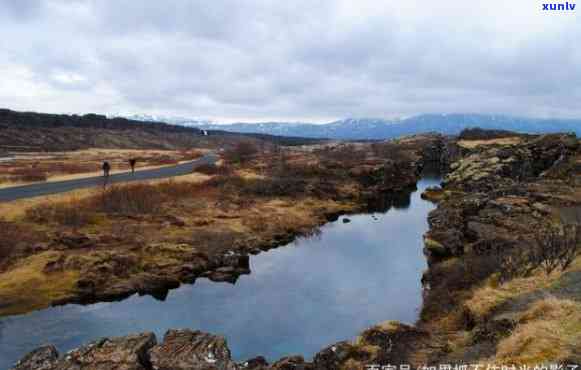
<point>313,60</point>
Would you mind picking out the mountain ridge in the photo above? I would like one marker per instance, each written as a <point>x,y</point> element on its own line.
<point>380,128</point>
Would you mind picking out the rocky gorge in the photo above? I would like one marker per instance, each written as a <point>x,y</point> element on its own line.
<point>496,199</point>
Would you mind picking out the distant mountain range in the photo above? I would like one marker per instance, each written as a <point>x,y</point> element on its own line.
<point>374,128</point>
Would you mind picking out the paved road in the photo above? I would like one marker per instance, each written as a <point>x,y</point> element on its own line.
<point>46,188</point>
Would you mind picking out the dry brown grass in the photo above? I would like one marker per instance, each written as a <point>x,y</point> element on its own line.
<point>241,153</point>
<point>91,206</point>
<point>208,169</point>
<point>71,212</point>
<point>26,287</point>
<point>7,232</point>
<point>135,199</point>
<point>129,200</point>
<point>471,144</point>
<point>32,174</point>
<point>16,210</point>
<point>547,328</point>
<point>15,240</point>
<point>546,332</point>
<point>491,295</point>
<point>256,223</point>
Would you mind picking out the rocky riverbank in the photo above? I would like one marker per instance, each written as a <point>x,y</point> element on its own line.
<point>187,349</point>
<point>506,211</point>
<point>480,306</point>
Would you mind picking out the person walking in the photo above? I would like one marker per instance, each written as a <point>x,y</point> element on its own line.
<point>132,163</point>
<point>106,169</point>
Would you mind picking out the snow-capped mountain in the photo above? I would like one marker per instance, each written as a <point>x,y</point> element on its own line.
<point>378,128</point>
<point>182,121</point>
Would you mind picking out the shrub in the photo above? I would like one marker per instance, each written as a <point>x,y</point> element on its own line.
<point>16,239</point>
<point>70,168</point>
<point>208,169</point>
<point>553,248</point>
<point>137,199</point>
<point>284,186</point>
<point>129,200</point>
<point>344,155</point>
<point>71,213</point>
<point>241,153</point>
<point>7,232</point>
<point>311,171</point>
<point>390,150</point>
<point>278,187</point>
<point>163,160</point>
<point>29,174</point>
<point>556,248</point>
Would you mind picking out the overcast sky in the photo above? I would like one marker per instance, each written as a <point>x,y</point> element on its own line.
<point>313,60</point>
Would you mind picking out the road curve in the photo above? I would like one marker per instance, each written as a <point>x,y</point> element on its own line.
<point>47,188</point>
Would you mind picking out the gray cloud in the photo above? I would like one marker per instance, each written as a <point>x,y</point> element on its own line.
<point>262,60</point>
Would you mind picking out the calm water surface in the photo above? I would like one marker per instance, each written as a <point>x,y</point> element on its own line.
<point>298,299</point>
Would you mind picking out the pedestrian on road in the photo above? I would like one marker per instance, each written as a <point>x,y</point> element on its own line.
<point>132,163</point>
<point>106,169</point>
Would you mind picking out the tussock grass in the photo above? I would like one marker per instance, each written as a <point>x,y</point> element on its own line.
<point>546,332</point>
<point>26,287</point>
<point>491,295</point>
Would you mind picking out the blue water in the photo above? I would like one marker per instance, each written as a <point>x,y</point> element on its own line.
<point>297,300</point>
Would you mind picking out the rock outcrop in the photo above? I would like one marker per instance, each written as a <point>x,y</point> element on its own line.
<point>491,167</point>
<point>126,353</point>
<point>43,358</point>
<point>389,342</point>
<point>191,350</point>
<point>180,350</point>
<point>492,209</point>
<point>497,194</point>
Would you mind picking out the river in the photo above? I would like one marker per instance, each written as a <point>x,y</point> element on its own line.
<point>297,300</point>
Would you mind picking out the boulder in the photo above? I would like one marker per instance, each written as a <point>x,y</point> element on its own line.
<point>124,353</point>
<point>332,357</point>
<point>257,363</point>
<point>191,350</point>
<point>292,363</point>
<point>43,358</point>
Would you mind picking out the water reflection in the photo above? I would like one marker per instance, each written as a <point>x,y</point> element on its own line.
<point>298,298</point>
